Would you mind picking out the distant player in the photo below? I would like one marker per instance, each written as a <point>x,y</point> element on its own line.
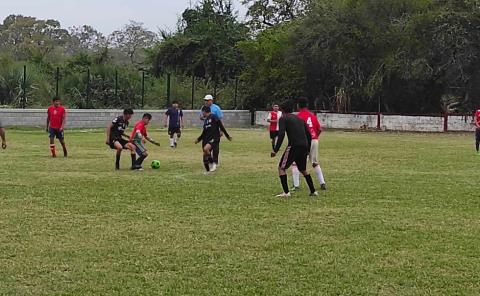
<point>174,119</point>
<point>138,137</point>
<point>210,137</point>
<point>117,139</point>
<point>273,118</point>
<point>56,116</point>
<point>2,135</point>
<point>299,142</point>
<point>314,129</point>
<point>477,131</point>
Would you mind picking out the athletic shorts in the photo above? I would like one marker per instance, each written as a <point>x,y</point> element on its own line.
<point>140,148</point>
<point>122,142</point>
<point>174,130</point>
<point>55,133</point>
<point>214,143</point>
<point>313,156</point>
<point>297,154</point>
<point>273,135</point>
<point>477,134</point>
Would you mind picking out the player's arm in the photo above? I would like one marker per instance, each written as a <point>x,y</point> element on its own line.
<point>4,140</point>
<point>48,122</point>
<point>224,131</point>
<point>109,128</point>
<point>309,136</point>
<point>64,118</point>
<point>165,119</point>
<point>182,125</point>
<point>199,139</point>
<point>281,136</point>
<point>269,118</point>
<point>317,125</point>
<point>152,141</point>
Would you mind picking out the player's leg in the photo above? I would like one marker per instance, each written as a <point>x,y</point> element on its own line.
<point>133,154</point>
<point>51,136</point>
<point>171,133</point>
<point>176,137</point>
<point>207,156</point>
<point>2,135</point>
<point>477,139</point>
<point>142,153</point>
<point>295,177</point>
<point>301,156</point>
<point>285,162</point>
<point>61,137</point>
<point>216,153</point>
<point>316,166</point>
<point>119,148</point>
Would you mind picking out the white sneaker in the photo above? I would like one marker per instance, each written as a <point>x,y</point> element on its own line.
<point>213,167</point>
<point>284,195</point>
<point>314,194</point>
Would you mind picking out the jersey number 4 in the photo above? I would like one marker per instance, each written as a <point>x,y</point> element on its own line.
<point>309,122</point>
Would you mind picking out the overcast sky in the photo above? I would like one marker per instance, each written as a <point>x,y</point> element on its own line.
<point>104,15</point>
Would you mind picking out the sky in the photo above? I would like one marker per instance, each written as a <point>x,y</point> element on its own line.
<point>105,15</point>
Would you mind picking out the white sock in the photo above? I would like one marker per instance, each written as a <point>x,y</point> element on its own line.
<point>175,138</point>
<point>319,173</point>
<point>172,142</point>
<point>296,176</point>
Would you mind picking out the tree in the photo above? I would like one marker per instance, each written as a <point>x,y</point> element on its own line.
<point>132,39</point>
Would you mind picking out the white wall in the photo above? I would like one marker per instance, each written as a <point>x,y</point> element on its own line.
<point>388,122</point>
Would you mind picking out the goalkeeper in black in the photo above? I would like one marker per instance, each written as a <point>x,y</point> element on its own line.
<point>299,141</point>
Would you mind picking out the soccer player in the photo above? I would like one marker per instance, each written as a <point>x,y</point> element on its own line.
<point>2,135</point>
<point>210,138</point>
<point>174,118</point>
<point>314,129</point>
<point>138,137</point>
<point>273,118</point>
<point>299,142</point>
<point>56,116</point>
<point>477,131</point>
<point>215,110</point>
<point>116,137</point>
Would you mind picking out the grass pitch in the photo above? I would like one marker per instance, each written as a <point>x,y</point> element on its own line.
<point>401,217</point>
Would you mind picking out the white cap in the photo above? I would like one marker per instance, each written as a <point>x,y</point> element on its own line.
<point>208,98</point>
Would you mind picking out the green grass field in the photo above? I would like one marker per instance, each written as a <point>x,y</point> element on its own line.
<point>401,217</point>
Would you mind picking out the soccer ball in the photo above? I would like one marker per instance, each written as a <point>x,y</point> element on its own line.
<point>155,164</point>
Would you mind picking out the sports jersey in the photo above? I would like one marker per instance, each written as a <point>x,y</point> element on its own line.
<point>211,129</point>
<point>296,131</point>
<point>477,117</point>
<point>174,115</point>
<point>56,116</point>
<point>275,116</point>
<point>311,120</point>
<point>119,125</point>
<point>139,132</point>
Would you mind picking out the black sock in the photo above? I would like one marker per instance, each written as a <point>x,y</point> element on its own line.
<point>141,159</point>
<point>210,159</point>
<point>206,162</point>
<point>309,180</point>
<point>477,145</point>
<point>284,181</point>
<point>134,159</point>
<point>117,160</point>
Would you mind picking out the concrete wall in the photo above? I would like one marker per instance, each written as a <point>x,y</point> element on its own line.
<point>387,122</point>
<point>101,118</point>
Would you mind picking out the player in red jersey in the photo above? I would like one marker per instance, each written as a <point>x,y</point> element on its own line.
<point>274,119</point>
<point>477,131</point>
<point>2,135</point>
<point>138,137</point>
<point>56,116</point>
<point>315,129</point>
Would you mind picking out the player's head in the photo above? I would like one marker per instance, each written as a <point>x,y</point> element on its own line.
<point>208,100</point>
<point>206,111</point>
<point>127,113</point>
<point>287,106</point>
<point>302,103</point>
<point>175,104</point>
<point>275,107</point>
<point>56,101</point>
<point>146,118</point>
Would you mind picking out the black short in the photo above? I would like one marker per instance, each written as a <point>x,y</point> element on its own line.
<point>174,130</point>
<point>122,142</point>
<point>214,143</point>
<point>273,135</point>
<point>297,154</point>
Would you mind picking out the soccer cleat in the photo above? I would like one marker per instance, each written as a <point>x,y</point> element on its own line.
<point>314,194</point>
<point>213,167</point>
<point>294,188</point>
<point>175,145</point>
<point>323,187</point>
<point>136,168</point>
<point>284,195</point>
<point>117,167</point>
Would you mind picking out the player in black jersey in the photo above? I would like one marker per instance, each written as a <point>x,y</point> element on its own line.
<point>118,140</point>
<point>299,141</point>
<point>210,137</point>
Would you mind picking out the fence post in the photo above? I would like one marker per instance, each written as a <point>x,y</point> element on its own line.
<point>143,88</point>
<point>445,122</point>
<point>57,78</point>
<point>379,114</point>
<point>88,89</point>
<point>24,86</point>
<point>168,88</point>
<point>236,94</point>
<point>116,84</point>
<point>193,89</point>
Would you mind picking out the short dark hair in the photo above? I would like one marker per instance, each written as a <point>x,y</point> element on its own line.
<point>287,106</point>
<point>175,102</point>
<point>147,115</point>
<point>128,111</point>
<point>302,102</point>
<point>206,109</point>
<point>55,98</point>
